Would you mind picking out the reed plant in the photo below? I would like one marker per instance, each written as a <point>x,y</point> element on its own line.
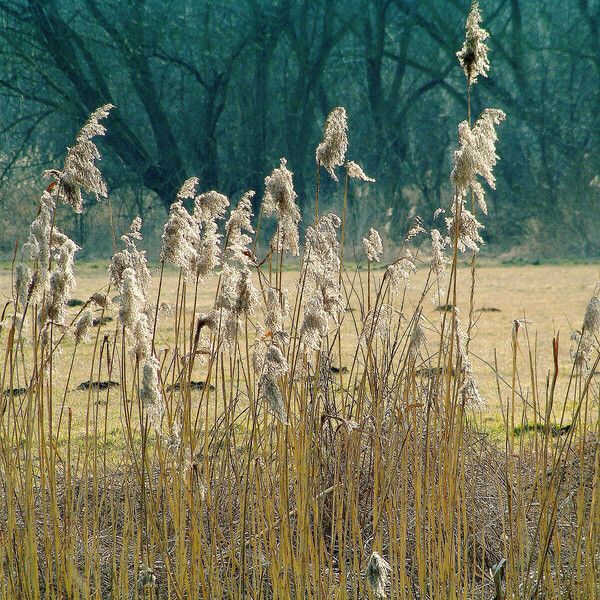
<point>316,442</point>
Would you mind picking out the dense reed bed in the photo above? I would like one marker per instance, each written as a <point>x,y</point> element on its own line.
<point>267,453</point>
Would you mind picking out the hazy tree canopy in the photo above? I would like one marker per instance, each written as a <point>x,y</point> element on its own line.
<point>222,90</point>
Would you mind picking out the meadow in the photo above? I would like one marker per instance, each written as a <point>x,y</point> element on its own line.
<point>248,420</point>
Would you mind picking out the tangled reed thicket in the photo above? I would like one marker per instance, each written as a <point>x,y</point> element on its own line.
<point>288,475</point>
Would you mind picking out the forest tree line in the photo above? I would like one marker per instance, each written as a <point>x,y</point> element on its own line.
<point>222,90</point>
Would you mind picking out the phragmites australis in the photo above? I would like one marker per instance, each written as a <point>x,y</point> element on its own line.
<point>321,256</point>
<point>277,309</point>
<point>100,299</point>
<point>331,152</point>
<point>399,272</point>
<point>591,320</point>
<point>38,247</point>
<point>131,257</point>
<point>188,189</point>
<point>314,324</point>
<point>239,220</point>
<point>468,391</point>
<point>141,337</point>
<point>467,231</point>
<point>150,393</point>
<point>373,246</point>
<point>417,339</point>
<point>82,325</point>
<point>272,394</point>
<point>237,297</point>
<point>585,340</point>
<point>237,293</point>
<point>209,252</point>
<point>180,239</point>
<point>23,279</point>
<point>62,282</point>
<point>355,172</point>
<point>377,575</point>
<point>321,263</point>
<point>439,261</point>
<point>476,155</point>
<point>473,56</point>
<point>210,206</point>
<point>270,364</point>
<point>280,200</point>
<point>132,299</point>
<point>80,171</point>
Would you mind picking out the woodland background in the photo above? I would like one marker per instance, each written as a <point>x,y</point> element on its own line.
<point>222,89</point>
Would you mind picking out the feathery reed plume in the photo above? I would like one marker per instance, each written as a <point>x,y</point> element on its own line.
<point>38,247</point>
<point>277,310</point>
<point>131,257</point>
<point>416,229</point>
<point>272,364</point>
<point>239,220</point>
<point>132,299</point>
<point>315,322</point>
<point>82,325</point>
<point>468,391</point>
<point>378,572</point>
<point>468,229</point>
<point>331,152</point>
<point>80,171</point>
<point>141,336</point>
<point>321,256</point>
<point>399,272</point>
<point>181,234</point>
<point>150,394</point>
<point>476,155</point>
<point>100,299</point>
<point>188,189</point>
<point>237,294</point>
<point>372,245</point>
<point>585,340</point>
<point>272,394</point>
<point>355,172</point>
<point>439,261</point>
<point>418,339</point>
<point>62,282</point>
<point>473,56</point>
<point>275,363</point>
<point>591,320</point>
<point>237,297</point>
<point>23,279</point>
<point>321,264</point>
<point>280,200</point>
<point>209,252</point>
<point>210,206</point>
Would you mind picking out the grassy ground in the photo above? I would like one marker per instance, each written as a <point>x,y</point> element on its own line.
<point>504,293</point>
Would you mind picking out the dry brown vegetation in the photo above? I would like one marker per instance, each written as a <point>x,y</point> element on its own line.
<point>232,429</point>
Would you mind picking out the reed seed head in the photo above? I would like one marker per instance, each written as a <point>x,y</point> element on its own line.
<point>355,172</point>
<point>473,56</point>
<point>80,171</point>
<point>373,246</point>
<point>378,572</point>
<point>331,152</point>
<point>82,325</point>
